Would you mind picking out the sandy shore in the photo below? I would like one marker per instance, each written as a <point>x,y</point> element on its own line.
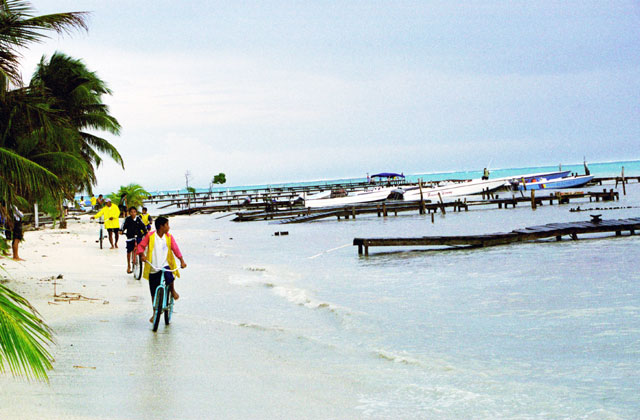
<point>109,365</point>
<point>66,274</point>
<point>72,283</point>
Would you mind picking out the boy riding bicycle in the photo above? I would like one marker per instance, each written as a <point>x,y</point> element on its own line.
<point>161,250</point>
<point>135,230</point>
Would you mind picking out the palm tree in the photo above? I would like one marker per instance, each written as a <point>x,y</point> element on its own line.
<point>19,28</point>
<point>135,193</point>
<point>19,175</point>
<point>24,116</point>
<point>74,93</point>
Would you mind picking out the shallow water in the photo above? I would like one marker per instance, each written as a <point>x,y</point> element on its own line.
<point>538,330</point>
<point>300,326</point>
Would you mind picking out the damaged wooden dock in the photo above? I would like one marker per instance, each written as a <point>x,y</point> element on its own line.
<point>385,208</point>
<point>551,230</point>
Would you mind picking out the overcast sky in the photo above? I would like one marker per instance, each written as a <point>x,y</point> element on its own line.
<point>270,91</point>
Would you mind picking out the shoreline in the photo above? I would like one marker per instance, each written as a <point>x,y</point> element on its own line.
<point>107,360</point>
<point>58,260</point>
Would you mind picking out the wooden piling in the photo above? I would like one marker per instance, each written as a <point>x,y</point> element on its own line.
<point>441,204</point>
<point>533,199</point>
<point>421,197</point>
<point>624,189</point>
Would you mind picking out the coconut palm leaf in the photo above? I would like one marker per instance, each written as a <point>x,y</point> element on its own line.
<point>102,146</point>
<point>23,177</point>
<point>19,28</point>
<point>23,337</point>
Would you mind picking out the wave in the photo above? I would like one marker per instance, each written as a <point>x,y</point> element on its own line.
<point>405,358</point>
<point>261,276</point>
<point>301,297</point>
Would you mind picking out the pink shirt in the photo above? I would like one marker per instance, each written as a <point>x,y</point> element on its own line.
<point>145,242</point>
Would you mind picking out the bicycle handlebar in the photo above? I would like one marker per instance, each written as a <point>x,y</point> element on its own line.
<point>158,269</point>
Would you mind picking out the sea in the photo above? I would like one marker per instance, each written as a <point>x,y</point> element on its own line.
<point>289,322</point>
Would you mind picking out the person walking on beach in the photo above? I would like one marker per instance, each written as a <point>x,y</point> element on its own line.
<point>161,251</point>
<point>111,221</point>
<point>13,230</point>
<point>134,229</point>
<point>99,202</point>
<point>146,218</point>
<point>485,174</point>
<point>123,205</point>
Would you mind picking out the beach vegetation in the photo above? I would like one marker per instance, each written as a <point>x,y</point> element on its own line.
<point>221,178</point>
<point>48,152</point>
<point>135,194</point>
<point>20,27</point>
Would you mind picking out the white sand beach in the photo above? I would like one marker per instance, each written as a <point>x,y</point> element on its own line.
<point>108,361</point>
<point>69,263</point>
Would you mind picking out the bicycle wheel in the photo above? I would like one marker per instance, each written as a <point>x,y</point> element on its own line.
<point>137,267</point>
<point>158,308</point>
<point>168,310</point>
<point>100,239</point>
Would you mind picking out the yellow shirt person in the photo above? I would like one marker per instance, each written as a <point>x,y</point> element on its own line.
<point>111,215</point>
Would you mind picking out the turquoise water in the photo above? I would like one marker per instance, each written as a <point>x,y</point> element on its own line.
<point>300,326</point>
<point>597,169</point>
<point>540,330</point>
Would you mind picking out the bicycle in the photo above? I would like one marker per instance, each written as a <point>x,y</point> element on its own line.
<point>101,232</point>
<point>163,301</point>
<point>136,264</point>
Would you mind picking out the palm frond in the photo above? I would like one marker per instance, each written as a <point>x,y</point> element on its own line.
<point>19,28</point>
<point>103,146</point>
<point>23,337</point>
<point>25,177</point>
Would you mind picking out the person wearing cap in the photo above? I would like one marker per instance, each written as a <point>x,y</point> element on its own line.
<point>111,221</point>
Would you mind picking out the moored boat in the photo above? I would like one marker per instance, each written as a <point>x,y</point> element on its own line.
<point>476,186</point>
<point>552,184</point>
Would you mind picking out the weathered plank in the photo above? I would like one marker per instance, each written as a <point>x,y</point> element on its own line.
<point>556,230</point>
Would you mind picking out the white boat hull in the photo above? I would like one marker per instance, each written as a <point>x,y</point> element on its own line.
<point>455,190</point>
<point>378,194</point>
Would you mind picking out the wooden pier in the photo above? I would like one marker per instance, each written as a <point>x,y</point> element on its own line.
<point>386,208</point>
<point>557,230</point>
<point>278,198</point>
<point>288,198</point>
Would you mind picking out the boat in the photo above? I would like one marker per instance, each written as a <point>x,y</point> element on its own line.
<point>476,186</point>
<point>376,194</point>
<point>410,193</point>
<point>378,191</point>
<point>552,184</point>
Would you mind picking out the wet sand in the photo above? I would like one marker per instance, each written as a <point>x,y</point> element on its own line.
<point>109,365</point>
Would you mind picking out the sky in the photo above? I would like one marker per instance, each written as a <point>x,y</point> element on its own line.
<point>275,91</point>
